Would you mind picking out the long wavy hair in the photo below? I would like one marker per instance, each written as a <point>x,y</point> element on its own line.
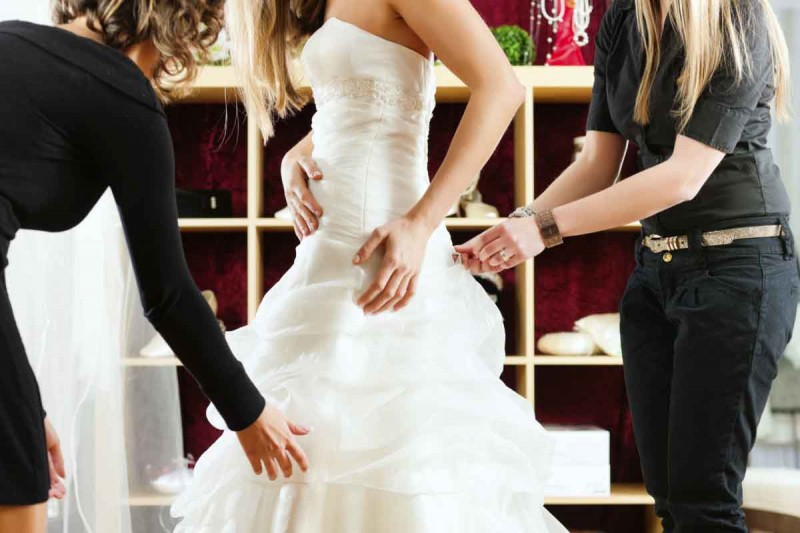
<point>266,36</point>
<point>714,35</point>
<point>181,30</point>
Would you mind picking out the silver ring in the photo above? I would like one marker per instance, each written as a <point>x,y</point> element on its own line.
<point>504,255</point>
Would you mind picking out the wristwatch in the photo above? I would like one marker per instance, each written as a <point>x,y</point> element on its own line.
<point>548,228</point>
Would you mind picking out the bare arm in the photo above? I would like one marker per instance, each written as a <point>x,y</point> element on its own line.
<point>297,167</point>
<point>595,169</point>
<point>469,49</point>
<point>677,180</point>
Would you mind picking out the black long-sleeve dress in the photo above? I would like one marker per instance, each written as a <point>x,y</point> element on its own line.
<point>77,117</point>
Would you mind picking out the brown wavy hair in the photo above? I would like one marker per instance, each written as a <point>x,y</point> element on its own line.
<point>181,30</point>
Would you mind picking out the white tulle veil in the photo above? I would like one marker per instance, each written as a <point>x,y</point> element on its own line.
<point>77,307</point>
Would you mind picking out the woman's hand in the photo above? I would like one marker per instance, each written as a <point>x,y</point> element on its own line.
<point>519,237</point>
<point>394,286</point>
<point>56,460</point>
<point>295,173</point>
<point>270,443</point>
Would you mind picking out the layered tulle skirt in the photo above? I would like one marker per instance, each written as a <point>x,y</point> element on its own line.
<point>413,431</point>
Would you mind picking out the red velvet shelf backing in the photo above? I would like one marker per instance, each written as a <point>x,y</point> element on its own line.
<point>211,149</point>
<point>497,177</point>
<point>218,261</point>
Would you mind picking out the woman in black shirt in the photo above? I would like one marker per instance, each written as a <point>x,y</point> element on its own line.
<point>710,307</point>
<point>78,114</point>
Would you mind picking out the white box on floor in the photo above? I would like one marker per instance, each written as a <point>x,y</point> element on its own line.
<point>579,481</point>
<point>580,445</point>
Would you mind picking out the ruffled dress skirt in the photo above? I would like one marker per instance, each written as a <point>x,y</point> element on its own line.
<point>413,430</point>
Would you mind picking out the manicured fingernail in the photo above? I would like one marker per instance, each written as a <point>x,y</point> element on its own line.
<point>317,173</point>
<point>357,259</point>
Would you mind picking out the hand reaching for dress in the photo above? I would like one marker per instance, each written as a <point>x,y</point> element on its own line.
<point>502,247</point>
<point>306,212</point>
<point>56,460</point>
<point>270,442</point>
<point>404,241</point>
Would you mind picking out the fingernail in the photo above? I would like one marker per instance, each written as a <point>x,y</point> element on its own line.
<point>317,173</point>
<point>357,259</point>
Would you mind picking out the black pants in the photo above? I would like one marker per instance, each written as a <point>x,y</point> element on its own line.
<point>701,337</point>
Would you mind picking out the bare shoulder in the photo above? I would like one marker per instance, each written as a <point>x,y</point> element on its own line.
<point>379,17</point>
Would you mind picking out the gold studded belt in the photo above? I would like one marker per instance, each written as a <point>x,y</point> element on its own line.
<point>658,244</point>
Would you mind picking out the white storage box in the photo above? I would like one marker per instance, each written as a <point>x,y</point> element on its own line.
<point>579,481</point>
<point>580,445</point>
<point>580,462</point>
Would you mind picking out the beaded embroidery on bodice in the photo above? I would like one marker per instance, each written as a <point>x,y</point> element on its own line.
<point>359,65</point>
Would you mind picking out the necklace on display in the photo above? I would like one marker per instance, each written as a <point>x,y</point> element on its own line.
<point>553,12</point>
<point>582,16</point>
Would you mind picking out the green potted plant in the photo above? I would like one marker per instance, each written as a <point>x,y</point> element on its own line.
<point>516,43</point>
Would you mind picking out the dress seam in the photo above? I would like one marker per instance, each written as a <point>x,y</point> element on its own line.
<point>367,165</point>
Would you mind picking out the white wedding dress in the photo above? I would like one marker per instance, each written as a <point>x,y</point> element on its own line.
<point>413,431</point>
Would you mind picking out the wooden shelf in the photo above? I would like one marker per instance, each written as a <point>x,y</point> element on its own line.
<point>635,227</point>
<point>621,494</point>
<point>212,224</point>
<point>144,362</point>
<point>154,499</point>
<point>274,224</point>
<point>549,85</point>
<point>212,85</point>
<point>564,360</point>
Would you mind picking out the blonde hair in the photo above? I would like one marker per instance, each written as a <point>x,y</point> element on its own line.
<point>714,35</point>
<point>265,37</point>
<point>183,31</point>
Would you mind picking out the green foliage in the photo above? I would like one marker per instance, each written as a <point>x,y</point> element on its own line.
<point>516,43</point>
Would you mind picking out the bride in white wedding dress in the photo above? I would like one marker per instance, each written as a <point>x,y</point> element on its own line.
<point>412,429</point>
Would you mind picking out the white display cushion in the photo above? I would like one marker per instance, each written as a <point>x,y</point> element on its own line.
<point>604,329</point>
<point>580,445</point>
<point>579,481</point>
<point>573,343</point>
<point>775,490</point>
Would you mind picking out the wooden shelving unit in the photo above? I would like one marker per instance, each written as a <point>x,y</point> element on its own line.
<point>621,494</point>
<point>564,360</point>
<point>544,84</point>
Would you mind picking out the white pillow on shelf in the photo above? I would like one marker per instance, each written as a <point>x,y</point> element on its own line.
<point>604,330</point>
<point>574,343</point>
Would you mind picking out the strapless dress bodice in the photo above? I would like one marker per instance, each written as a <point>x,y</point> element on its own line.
<point>374,103</point>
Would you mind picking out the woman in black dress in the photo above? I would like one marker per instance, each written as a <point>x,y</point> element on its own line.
<point>710,306</point>
<point>79,114</point>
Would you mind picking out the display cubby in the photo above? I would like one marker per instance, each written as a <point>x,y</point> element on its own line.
<point>267,242</point>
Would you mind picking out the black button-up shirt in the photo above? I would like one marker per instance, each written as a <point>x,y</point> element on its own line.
<point>733,118</point>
